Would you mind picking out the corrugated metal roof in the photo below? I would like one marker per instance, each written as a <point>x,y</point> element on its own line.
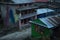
<point>41,0</point>
<point>22,1</point>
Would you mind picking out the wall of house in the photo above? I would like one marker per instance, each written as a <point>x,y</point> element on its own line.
<point>4,12</point>
<point>3,9</point>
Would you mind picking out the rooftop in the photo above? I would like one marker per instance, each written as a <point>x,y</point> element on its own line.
<point>22,1</point>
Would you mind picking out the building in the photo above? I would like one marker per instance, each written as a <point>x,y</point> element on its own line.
<point>16,14</point>
<point>22,11</point>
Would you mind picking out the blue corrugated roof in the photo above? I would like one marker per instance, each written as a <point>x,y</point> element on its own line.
<point>22,1</point>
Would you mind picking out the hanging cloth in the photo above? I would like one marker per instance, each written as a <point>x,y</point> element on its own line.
<point>11,16</point>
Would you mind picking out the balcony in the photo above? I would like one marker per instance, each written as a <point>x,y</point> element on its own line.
<point>28,15</point>
<point>30,7</point>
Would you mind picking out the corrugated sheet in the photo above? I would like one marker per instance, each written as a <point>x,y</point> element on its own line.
<point>41,0</point>
<point>22,1</point>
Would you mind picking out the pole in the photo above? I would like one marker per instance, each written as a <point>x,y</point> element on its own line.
<point>7,16</point>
